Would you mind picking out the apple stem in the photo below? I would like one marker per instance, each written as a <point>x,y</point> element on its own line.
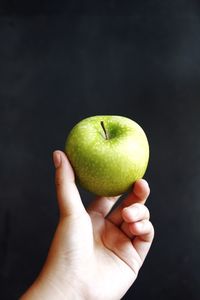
<point>104,129</point>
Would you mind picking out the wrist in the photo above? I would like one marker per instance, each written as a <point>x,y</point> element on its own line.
<point>35,293</point>
<point>49,290</point>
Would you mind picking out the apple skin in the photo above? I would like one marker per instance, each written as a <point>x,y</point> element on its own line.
<point>107,166</point>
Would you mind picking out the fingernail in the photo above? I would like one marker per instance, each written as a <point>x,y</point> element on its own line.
<point>56,159</point>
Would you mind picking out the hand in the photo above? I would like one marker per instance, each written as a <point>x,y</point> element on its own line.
<point>95,254</point>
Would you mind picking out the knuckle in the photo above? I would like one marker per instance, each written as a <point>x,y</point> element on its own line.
<point>147,213</point>
<point>144,211</point>
<point>151,230</point>
<point>148,191</point>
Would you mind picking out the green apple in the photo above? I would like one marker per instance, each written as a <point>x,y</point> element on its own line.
<point>107,153</point>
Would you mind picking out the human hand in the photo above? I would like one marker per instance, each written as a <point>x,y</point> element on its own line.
<point>95,254</point>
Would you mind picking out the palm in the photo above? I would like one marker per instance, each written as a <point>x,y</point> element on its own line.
<point>96,248</point>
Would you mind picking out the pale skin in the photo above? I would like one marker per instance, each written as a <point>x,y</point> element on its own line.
<point>94,254</point>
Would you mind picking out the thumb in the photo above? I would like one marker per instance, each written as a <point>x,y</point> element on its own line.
<point>68,196</point>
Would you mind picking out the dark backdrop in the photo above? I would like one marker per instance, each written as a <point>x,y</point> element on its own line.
<point>61,61</point>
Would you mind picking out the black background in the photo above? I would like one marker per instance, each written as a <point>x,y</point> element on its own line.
<point>61,61</point>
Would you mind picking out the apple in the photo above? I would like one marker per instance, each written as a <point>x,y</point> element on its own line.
<point>107,153</point>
